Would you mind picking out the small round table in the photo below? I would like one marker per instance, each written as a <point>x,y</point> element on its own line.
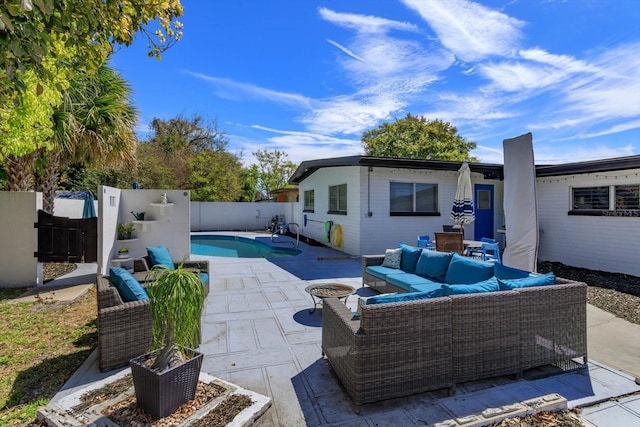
<point>328,290</point>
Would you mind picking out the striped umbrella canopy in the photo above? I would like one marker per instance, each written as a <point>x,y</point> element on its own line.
<point>463,211</point>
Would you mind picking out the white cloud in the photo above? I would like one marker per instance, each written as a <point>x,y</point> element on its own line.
<point>471,31</point>
<point>364,23</point>
<point>300,146</point>
<point>237,91</point>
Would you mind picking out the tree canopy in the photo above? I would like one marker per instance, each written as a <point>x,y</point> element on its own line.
<point>31,29</point>
<point>415,137</point>
<point>274,170</point>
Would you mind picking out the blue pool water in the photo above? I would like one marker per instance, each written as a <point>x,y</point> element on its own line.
<point>236,247</point>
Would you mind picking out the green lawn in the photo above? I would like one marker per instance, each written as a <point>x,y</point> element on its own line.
<point>41,345</point>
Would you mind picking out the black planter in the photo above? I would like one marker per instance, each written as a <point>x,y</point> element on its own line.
<point>160,394</point>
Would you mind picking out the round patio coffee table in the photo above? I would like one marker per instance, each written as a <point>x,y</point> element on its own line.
<point>328,290</point>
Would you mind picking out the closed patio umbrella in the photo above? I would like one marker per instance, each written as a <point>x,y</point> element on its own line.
<point>89,210</point>
<point>463,211</point>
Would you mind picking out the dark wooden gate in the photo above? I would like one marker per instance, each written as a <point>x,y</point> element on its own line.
<point>62,239</point>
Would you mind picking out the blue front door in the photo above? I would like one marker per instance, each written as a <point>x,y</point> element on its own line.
<point>483,201</point>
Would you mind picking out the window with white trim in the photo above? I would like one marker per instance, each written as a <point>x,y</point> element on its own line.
<point>617,200</point>
<point>412,198</point>
<point>590,198</point>
<point>309,200</point>
<point>627,197</point>
<point>338,199</point>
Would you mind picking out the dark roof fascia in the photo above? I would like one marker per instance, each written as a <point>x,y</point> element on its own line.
<point>306,168</point>
<point>592,166</point>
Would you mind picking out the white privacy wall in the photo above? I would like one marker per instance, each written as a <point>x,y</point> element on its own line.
<point>168,225</point>
<point>595,242</point>
<point>19,239</point>
<point>215,216</point>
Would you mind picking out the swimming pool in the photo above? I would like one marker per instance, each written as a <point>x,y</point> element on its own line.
<point>236,247</point>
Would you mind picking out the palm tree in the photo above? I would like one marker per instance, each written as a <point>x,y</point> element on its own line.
<point>94,124</point>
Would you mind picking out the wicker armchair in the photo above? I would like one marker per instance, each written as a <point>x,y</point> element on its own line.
<point>124,328</point>
<point>141,268</point>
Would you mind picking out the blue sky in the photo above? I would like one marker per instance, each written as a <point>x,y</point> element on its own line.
<point>309,77</point>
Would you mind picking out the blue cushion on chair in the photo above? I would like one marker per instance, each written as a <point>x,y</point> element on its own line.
<point>502,271</point>
<point>407,281</point>
<point>159,255</point>
<point>433,264</point>
<point>465,270</point>
<point>127,285</point>
<point>409,259</point>
<point>490,285</point>
<point>434,288</point>
<point>537,280</point>
<point>382,272</point>
<point>407,296</point>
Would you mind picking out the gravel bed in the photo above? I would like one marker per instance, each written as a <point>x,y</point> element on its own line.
<point>616,293</point>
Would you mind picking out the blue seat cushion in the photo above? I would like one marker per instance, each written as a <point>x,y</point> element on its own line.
<point>127,285</point>
<point>489,285</point>
<point>502,271</point>
<point>407,296</point>
<point>409,259</point>
<point>435,288</point>
<point>433,264</point>
<point>204,277</point>
<point>537,280</point>
<point>382,272</point>
<point>407,281</point>
<point>159,255</point>
<point>465,270</point>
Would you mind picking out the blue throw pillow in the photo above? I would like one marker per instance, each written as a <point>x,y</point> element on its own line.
<point>502,271</point>
<point>433,264</point>
<point>465,270</point>
<point>127,285</point>
<point>537,280</point>
<point>406,296</point>
<point>159,255</point>
<point>409,258</point>
<point>490,285</point>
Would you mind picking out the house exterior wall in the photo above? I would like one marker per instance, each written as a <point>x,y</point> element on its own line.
<point>369,191</point>
<point>606,243</point>
<point>319,182</point>
<point>381,230</point>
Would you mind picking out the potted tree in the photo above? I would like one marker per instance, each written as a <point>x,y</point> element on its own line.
<point>124,230</point>
<point>167,376</point>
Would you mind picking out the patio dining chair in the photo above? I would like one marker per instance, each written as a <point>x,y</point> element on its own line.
<point>425,242</point>
<point>477,252</point>
<point>491,252</point>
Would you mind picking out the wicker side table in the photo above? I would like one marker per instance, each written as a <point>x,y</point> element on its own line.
<point>328,290</point>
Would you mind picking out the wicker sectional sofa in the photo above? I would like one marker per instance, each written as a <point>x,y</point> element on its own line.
<point>401,348</point>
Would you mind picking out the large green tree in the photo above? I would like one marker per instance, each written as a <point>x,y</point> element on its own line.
<point>163,160</point>
<point>215,176</point>
<point>31,29</point>
<point>415,137</point>
<point>274,170</point>
<point>94,124</point>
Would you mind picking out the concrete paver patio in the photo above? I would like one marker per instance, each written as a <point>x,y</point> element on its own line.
<point>258,333</point>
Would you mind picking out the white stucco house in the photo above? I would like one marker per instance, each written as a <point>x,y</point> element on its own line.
<point>589,212</point>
